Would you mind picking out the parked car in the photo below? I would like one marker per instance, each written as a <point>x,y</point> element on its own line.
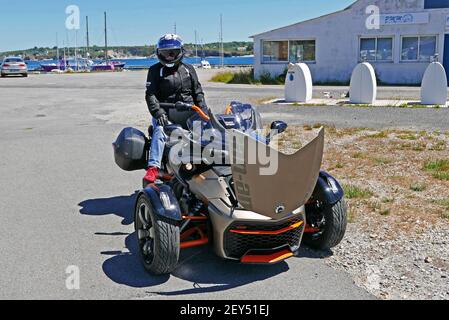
<point>14,66</point>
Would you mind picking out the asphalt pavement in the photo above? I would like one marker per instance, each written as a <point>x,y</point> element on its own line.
<point>65,203</point>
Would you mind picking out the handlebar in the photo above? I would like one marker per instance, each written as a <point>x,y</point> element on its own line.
<point>181,106</point>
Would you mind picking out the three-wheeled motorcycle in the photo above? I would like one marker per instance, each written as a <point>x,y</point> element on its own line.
<point>226,195</point>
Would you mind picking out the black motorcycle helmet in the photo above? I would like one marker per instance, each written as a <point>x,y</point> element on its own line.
<point>170,50</point>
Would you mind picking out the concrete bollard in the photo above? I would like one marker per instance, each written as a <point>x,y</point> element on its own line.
<point>363,89</point>
<point>298,83</point>
<point>434,85</point>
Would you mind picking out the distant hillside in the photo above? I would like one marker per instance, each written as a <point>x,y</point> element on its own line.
<point>234,48</point>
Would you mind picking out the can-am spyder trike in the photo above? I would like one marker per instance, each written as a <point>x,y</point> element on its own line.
<point>249,217</point>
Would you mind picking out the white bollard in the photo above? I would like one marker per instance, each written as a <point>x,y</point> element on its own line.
<point>298,83</point>
<point>434,85</point>
<point>363,89</point>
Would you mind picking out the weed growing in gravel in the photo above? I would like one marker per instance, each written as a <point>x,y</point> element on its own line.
<point>417,187</point>
<point>379,135</point>
<point>355,192</point>
<point>445,215</point>
<point>438,168</point>
<point>443,202</point>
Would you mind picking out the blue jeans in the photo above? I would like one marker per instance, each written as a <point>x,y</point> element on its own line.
<point>157,146</point>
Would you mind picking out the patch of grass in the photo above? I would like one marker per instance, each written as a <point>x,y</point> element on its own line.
<point>339,166</point>
<point>358,155</point>
<point>442,202</point>
<point>437,165</point>
<point>247,77</point>
<point>445,215</point>
<point>355,192</point>
<point>417,187</point>
<point>385,212</point>
<point>351,216</point>
<point>421,146</point>
<point>409,136</point>
<point>438,146</point>
<point>439,169</point>
<point>224,77</point>
<point>441,176</point>
<point>382,161</point>
<point>379,135</point>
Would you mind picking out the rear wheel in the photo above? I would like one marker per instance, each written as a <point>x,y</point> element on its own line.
<point>3,75</point>
<point>328,224</point>
<point>158,239</point>
<point>25,75</point>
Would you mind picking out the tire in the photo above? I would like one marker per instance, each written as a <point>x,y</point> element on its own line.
<point>25,75</point>
<point>159,245</point>
<point>333,231</point>
<point>3,75</point>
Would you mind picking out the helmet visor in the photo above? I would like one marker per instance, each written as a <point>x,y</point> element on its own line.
<point>170,54</point>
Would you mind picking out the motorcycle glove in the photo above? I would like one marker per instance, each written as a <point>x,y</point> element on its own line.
<point>162,120</point>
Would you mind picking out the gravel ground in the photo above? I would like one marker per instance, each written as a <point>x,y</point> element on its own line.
<point>410,266</point>
<point>396,245</point>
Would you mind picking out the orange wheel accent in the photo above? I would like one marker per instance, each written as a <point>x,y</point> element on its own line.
<point>284,230</point>
<point>228,110</point>
<point>310,229</point>
<point>269,258</point>
<point>201,113</point>
<point>194,218</point>
<point>193,243</point>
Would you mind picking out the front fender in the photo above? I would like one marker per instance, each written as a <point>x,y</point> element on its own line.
<point>327,189</point>
<point>163,201</point>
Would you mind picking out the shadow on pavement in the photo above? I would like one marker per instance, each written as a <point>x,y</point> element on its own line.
<point>200,266</point>
<point>120,206</point>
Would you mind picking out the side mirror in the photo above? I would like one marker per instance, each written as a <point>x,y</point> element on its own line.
<point>279,126</point>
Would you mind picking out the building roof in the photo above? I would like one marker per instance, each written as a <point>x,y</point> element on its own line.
<point>298,23</point>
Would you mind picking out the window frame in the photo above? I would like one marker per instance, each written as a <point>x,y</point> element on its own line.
<point>419,47</point>
<point>376,47</point>
<point>288,50</point>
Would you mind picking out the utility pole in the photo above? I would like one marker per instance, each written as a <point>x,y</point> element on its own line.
<point>87,37</point>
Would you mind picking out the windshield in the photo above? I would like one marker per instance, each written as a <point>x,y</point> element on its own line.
<point>13,60</point>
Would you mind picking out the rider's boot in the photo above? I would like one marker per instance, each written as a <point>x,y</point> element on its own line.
<point>151,175</point>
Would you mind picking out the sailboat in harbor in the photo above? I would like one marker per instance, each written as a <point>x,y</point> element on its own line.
<point>107,65</point>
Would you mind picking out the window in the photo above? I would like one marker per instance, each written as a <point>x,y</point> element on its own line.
<point>435,4</point>
<point>418,48</point>
<point>302,51</point>
<point>376,49</point>
<point>275,51</point>
<point>288,51</point>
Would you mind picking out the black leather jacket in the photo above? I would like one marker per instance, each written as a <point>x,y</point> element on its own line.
<point>170,85</point>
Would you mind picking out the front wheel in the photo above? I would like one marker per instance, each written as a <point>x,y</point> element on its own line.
<point>328,224</point>
<point>158,239</point>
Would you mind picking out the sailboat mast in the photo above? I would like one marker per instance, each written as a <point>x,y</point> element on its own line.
<point>87,37</point>
<point>106,36</point>
<point>221,40</point>
<point>196,45</point>
<point>57,51</point>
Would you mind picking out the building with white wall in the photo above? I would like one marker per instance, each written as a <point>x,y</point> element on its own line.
<point>399,42</point>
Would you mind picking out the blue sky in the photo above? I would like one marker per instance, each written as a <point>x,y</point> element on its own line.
<point>28,23</point>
